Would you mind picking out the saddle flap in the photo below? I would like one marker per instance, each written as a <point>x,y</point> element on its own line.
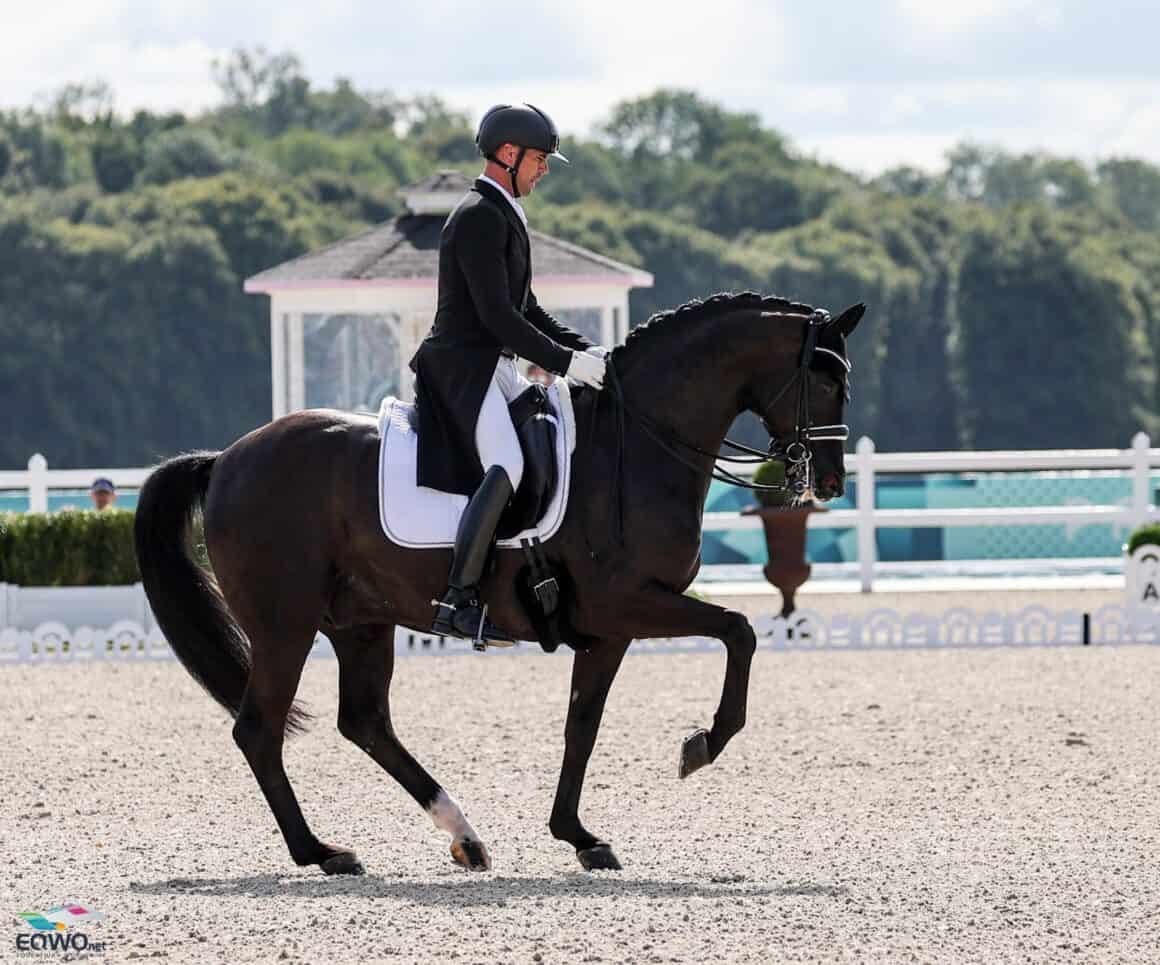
<point>416,517</point>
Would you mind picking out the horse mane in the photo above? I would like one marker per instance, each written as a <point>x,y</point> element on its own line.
<point>675,321</point>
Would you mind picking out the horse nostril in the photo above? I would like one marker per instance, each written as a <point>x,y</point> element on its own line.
<point>831,485</point>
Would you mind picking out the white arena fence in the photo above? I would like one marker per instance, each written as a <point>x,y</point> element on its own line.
<point>866,518</point>
<point>883,629</point>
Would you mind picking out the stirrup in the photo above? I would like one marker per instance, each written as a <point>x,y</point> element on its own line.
<point>485,634</point>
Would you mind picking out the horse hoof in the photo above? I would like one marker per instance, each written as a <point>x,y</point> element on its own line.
<point>471,854</point>
<point>694,753</point>
<point>343,863</point>
<point>598,858</point>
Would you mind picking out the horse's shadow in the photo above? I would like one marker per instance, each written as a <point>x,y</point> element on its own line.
<point>461,890</point>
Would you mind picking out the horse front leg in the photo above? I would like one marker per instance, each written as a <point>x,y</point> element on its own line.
<point>592,675</point>
<point>657,611</point>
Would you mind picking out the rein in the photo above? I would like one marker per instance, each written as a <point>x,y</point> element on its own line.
<point>797,455</point>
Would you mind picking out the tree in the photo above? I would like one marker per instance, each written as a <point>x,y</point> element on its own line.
<point>1053,339</point>
<point>247,79</point>
<point>908,182</point>
<point>75,106</point>
<point>1134,187</point>
<point>832,268</point>
<point>184,152</point>
<point>673,125</point>
<point>117,158</point>
<point>744,190</point>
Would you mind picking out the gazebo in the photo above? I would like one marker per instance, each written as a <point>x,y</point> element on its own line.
<point>345,320</point>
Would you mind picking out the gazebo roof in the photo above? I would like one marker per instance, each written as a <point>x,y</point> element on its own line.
<point>406,250</point>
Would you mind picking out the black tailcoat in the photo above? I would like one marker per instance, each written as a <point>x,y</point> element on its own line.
<point>486,308</point>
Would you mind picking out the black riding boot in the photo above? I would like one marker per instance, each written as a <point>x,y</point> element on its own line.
<point>459,613</point>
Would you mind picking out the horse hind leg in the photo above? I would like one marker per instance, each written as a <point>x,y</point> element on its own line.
<point>366,662</point>
<point>259,731</point>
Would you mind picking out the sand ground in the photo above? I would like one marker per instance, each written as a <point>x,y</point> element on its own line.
<point>957,806</point>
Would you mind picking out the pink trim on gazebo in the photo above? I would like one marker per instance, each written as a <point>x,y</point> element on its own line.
<point>253,286</point>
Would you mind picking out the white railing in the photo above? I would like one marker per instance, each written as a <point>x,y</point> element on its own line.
<point>863,464</point>
<point>38,479</point>
<point>866,518</point>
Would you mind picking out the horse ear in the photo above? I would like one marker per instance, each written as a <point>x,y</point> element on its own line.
<point>849,319</point>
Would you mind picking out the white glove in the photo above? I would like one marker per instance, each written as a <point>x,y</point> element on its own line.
<point>588,369</point>
<point>598,350</point>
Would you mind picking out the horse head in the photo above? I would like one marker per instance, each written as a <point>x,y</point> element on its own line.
<point>805,414</point>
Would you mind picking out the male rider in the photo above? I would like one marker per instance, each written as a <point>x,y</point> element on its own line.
<point>465,368</point>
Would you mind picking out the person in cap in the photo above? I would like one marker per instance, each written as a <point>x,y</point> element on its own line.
<point>465,370</point>
<point>103,493</point>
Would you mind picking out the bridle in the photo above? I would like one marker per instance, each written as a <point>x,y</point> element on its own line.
<point>796,452</point>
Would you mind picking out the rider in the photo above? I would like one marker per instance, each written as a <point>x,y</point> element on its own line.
<point>465,371</point>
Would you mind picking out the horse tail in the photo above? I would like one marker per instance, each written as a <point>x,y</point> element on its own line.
<point>186,601</point>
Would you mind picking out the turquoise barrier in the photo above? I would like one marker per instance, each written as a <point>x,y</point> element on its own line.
<point>909,491</point>
<point>950,491</point>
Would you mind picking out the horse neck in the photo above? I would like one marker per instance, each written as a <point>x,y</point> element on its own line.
<point>692,386</point>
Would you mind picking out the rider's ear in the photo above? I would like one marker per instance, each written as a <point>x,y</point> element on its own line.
<point>849,319</point>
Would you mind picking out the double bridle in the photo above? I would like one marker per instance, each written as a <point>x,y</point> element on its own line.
<point>796,453</point>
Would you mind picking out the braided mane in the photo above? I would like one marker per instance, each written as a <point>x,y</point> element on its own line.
<point>678,320</point>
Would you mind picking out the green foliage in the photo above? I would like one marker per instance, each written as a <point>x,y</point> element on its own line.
<point>1146,535</point>
<point>1134,188</point>
<point>771,473</point>
<point>1052,334</point>
<point>70,548</point>
<point>184,152</point>
<point>743,191</point>
<point>117,158</point>
<point>678,125</point>
<point>1014,299</point>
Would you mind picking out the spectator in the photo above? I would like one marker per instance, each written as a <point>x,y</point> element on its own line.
<point>103,493</point>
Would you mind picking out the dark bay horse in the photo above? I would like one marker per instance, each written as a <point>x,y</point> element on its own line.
<point>292,531</point>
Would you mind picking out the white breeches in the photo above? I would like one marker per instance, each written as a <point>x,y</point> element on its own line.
<point>495,436</point>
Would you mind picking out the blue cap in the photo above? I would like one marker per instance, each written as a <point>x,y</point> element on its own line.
<point>102,485</point>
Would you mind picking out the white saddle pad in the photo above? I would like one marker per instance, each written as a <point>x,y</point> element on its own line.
<point>420,518</point>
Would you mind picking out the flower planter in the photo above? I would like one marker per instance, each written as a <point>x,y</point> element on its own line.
<point>785,543</point>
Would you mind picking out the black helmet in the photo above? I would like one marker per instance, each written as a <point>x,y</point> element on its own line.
<point>520,124</point>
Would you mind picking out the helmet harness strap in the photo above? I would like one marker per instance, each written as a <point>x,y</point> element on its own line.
<point>511,169</point>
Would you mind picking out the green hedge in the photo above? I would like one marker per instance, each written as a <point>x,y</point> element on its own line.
<point>1149,533</point>
<point>69,548</point>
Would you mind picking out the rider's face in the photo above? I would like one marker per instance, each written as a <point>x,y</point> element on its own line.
<point>533,167</point>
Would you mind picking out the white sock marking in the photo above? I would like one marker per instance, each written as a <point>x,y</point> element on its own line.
<point>448,816</point>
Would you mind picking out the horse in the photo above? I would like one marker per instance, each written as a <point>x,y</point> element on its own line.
<point>291,528</point>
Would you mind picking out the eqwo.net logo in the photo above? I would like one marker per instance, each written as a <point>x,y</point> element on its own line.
<point>51,929</point>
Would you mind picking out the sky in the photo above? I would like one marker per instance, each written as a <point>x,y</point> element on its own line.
<point>867,85</point>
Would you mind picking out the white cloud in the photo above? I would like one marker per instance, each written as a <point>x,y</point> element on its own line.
<point>866,85</point>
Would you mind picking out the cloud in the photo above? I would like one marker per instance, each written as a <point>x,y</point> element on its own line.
<point>865,85</point>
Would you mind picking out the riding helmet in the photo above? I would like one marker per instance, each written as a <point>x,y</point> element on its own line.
<point>520,124</point>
